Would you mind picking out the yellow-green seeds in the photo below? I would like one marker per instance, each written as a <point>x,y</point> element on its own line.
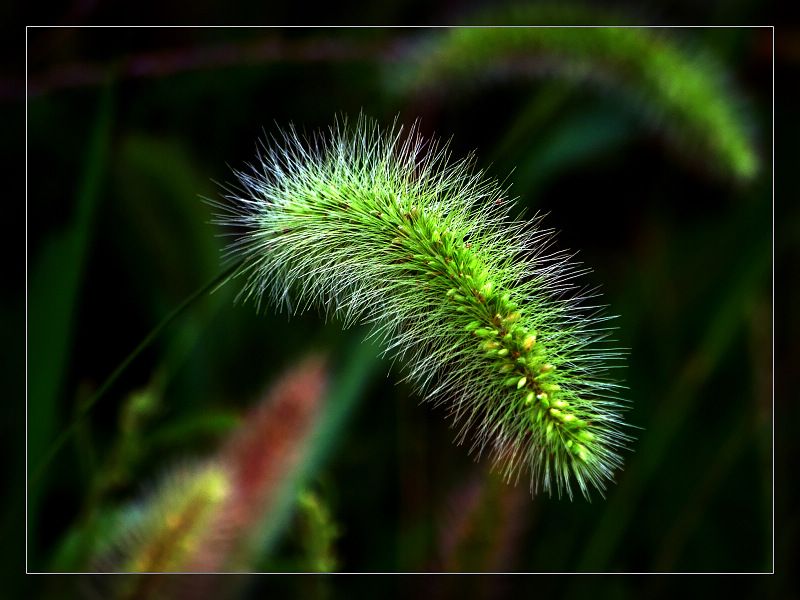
<point>528,343</point>
<point>544,399</point>
<point>485,333</point>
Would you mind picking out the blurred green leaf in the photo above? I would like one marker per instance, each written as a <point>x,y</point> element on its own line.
<point>575,139</point>
<point>162,219</point>
<point>358,366</point>
<point>177,433</point>
<point>724,320</point>
<point>53,295</point>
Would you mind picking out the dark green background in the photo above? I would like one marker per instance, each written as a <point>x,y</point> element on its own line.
<point>117,237</point>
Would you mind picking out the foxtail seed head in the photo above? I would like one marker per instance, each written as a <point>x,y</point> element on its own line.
<point>383,229</point>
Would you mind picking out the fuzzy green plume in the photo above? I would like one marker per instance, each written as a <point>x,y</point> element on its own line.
<point>376,227</point>
<point>685,95</point>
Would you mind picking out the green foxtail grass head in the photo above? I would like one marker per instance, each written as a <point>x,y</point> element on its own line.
<point>374,226</point>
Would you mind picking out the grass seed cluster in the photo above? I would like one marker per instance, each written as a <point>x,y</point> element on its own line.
<point>375,226</point>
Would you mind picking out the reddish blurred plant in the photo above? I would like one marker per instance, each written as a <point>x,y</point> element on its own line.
<point>211,517</point>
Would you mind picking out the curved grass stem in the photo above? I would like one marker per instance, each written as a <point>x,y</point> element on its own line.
<point>84,409</point>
